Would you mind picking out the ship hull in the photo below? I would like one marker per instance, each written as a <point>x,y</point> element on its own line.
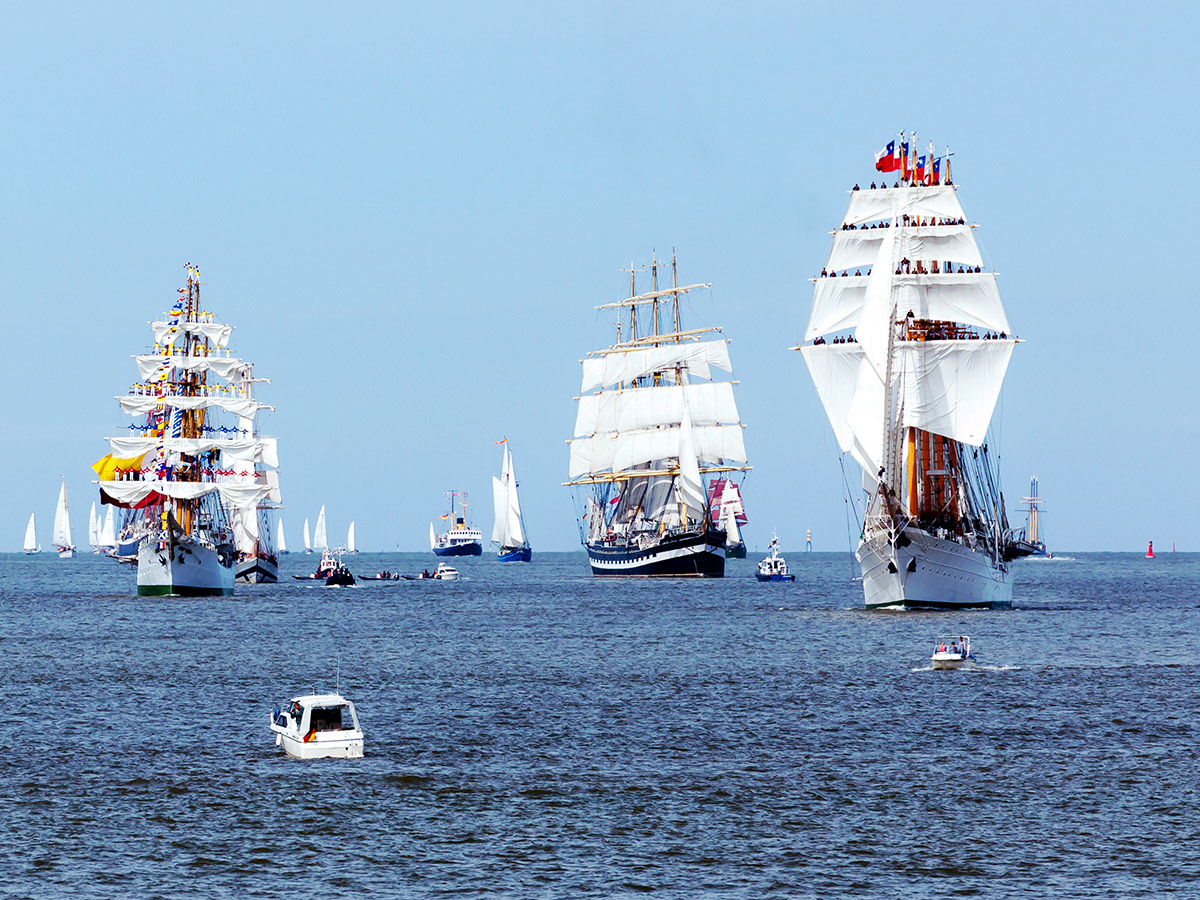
<point>698,555</point>
<point>186,569</point>
<point>736,551</point>
<point>257,570</point>
<point>930,573</point>
<point>467,548</point>
<point>515,554</point>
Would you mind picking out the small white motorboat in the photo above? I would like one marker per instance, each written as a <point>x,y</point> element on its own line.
<point>952,652</point>
<point>318,726</point>
<point>446,572</point>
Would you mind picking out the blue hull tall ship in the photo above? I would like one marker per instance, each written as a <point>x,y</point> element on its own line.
<point>652,427</point>
<point>907,345</point>
<point>190,474</point>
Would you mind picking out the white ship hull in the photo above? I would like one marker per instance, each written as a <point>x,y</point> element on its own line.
<point>189,569</point>
<point>320,746</point>
<point>931,573</point>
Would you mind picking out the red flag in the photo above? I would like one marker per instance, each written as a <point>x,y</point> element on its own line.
<point>505,441</point>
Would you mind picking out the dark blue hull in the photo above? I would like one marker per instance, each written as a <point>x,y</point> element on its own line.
<point>468,548</point>
<point>761,577</point>
<point>735,551</point>
<point>700,555</point>
<point>515,554</point>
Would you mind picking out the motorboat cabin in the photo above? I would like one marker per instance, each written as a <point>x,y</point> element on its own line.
<point>446,572</point>
<point>318,726</point>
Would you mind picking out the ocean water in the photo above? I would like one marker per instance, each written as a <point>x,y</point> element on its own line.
<point>534,732</point>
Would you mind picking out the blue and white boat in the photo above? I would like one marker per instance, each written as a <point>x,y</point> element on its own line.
<point>508,532</point>
<point>774,567</point>
<point>461,539</point>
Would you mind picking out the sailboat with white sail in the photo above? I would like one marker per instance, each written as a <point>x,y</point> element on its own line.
<point>729,512</point>
<point>182,467</point>
<point>908,359</point>
<point>307,538</point>
<point>108,533</point>
<point>31,543</point>
<point>280,543</point>
<point>652,425</point>
<point>94,523</point>
<point>508,532</point>
<point>63,544</point>
<point>351,546</point>
<point>320,541</point>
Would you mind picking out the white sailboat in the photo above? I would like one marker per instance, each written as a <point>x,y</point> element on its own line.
<point>908,359</point>
<point>508,532</point>
<point>108,533</point>
<point>62,525</point>
<point>31,544</point>
<point>320,542</point>
<point>190,460</point>
<point>651,426</point>
<point>307,539</point>
<point>351,547</point>
<point>94,529</point>
<point>280,543</point>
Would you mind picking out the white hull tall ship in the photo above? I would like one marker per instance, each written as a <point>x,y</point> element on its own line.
<point>183,467</point>
<point>908,344</point>
<point>652,427</point>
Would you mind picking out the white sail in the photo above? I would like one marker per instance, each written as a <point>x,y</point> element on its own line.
<point>152,365</point>
<point>733,534</point>
<point>280,543</point>
<point>612,367</point>
<point>508,530</point>
<point>307,539</point>
<point>691,488</point>
<point>320,542</point>
<point>710,403</point>
<point>713,445</point>
<point>133,493</point>
<point>62,521</point>
<point>938,201</point>
<point>166,333</point>
<point>93,526</point>
<point>951,387</point>
<point>31,544</point>
<point>516,523</point>
<point>140,404</point>
<point>108,531</point>
<point>875,321</point>
<point>243,449</point>
<point>432,537</point>
<point>499,510</point>
<point>857,249</point>
<point>968,298</point>
<point>350,545</point>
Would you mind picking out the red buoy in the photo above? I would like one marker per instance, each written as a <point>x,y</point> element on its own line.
<point>1150,551</point>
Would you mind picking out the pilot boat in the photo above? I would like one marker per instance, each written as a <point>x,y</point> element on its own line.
<point>318,726</point>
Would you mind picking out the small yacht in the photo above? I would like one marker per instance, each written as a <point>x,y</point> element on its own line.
<point>952,652</point>
<point>318,726</point>
<point>774,567</point>
<point>446,572</point>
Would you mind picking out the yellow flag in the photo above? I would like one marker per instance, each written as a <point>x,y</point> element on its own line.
<point>107,465</point>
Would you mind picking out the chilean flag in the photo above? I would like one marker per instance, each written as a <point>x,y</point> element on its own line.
<point>886,159</point>
<point>919,170</point>
<point>937,171</point>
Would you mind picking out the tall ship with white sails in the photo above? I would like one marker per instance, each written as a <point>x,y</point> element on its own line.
<point>652,427</point>
<point>508,532</point>
<point>258,562</point>
<point>187,459</point>
<point>907,345</point>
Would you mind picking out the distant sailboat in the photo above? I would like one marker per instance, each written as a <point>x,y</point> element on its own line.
<point>728,512</point>
<point>320,542</point>
<point>94,522</point>
<point>508,533</point>
<point>350,545</point>
<point>62,525</point>
<point>108,533</point>
<point>31,541</point>
<point>307,539</point>
<point>279,542</point>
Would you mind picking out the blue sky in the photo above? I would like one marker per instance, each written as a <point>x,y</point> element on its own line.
<point>409,212</point>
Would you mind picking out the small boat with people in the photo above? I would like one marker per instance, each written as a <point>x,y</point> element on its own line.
<point>385,575</point>
<point>774,567</point>
<point>952,652</point>
<point>318,726</point>
<point>326,567</point>
<point>341,576</point>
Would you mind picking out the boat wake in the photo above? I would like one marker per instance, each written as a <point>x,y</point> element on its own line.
<point>975,668</point>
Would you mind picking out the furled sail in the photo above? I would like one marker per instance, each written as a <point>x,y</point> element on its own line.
<point>166,333</point>
<point>151,365</point>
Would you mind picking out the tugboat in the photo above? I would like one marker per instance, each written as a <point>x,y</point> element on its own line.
<point>317,727</point>
<point>952,652</point>
<point>462,539</point>
<point>325,568</point>
<point>340,576</point>
<point>774,567</point>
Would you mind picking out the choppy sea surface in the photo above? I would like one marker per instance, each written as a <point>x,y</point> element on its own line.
<point>534,732</point>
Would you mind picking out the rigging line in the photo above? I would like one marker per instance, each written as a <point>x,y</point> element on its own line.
<point>849,509</point>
